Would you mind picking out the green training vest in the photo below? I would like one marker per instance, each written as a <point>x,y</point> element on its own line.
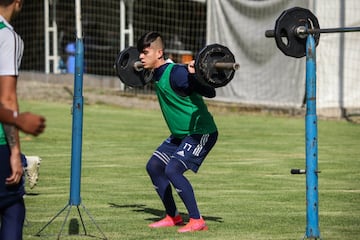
<point>183,115</point>
<point>2,136</point>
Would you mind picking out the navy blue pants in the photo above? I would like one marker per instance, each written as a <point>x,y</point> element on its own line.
<point>12,221</point>
<point>12,207</point>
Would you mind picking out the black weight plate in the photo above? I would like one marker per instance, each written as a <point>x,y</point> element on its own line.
<point>286,38</point>
<point>205,71</point>
<point>124,65</point>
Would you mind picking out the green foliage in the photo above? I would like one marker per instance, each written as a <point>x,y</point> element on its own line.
<point>244,188</point>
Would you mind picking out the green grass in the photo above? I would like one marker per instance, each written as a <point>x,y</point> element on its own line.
<point>244,188</point>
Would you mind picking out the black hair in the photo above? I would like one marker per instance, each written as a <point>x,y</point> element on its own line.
<point>6,2</point>
<point>146,39</point>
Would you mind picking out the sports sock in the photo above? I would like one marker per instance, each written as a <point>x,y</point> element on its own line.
<point>155,169</point>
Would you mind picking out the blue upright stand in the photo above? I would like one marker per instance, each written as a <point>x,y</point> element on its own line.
<point>312,201</point>
<point>77,127</point>
<point>76,148</point>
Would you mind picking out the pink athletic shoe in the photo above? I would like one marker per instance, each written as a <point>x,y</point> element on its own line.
<point>168,221</point>
<point>194,225</point>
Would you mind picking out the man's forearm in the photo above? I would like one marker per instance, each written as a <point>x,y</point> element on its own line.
<point>11,135</point>
<point>7,116</point>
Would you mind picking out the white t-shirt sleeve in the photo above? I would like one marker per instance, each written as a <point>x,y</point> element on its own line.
<point>11,51</point>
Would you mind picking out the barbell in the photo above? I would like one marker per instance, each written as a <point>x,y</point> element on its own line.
<point>214,65</point>
<point>292,28</point>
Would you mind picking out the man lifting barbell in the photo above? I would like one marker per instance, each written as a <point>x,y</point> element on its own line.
<point>193,131</point>
<point>215,66</point>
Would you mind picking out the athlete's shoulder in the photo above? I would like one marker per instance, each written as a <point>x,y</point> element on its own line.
<point>7,33</point>
<point>8,38</point>
<point>180,67</point>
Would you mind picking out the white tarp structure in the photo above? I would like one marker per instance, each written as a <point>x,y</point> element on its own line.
<point>338,56</point>
<point>267,76</point>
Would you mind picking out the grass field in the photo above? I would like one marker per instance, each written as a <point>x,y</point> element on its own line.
<point>244,188</point>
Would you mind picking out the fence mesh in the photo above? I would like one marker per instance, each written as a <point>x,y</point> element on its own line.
<point>183,24</point>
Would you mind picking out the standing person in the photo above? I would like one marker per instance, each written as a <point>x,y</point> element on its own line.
<point>12,207</point>
<point>193,132</point>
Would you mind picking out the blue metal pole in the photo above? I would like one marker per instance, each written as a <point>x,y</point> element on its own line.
<point>77,125</point>
<point>312,205</point>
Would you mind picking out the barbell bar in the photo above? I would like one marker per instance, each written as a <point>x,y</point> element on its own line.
<point>303,31</point>
<point>214,65</point>
<point>138,66</point>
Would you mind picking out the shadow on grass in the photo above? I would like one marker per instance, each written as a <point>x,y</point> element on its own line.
<point>74,226</point>
<point>159,213</point>
<point>32,194</point>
